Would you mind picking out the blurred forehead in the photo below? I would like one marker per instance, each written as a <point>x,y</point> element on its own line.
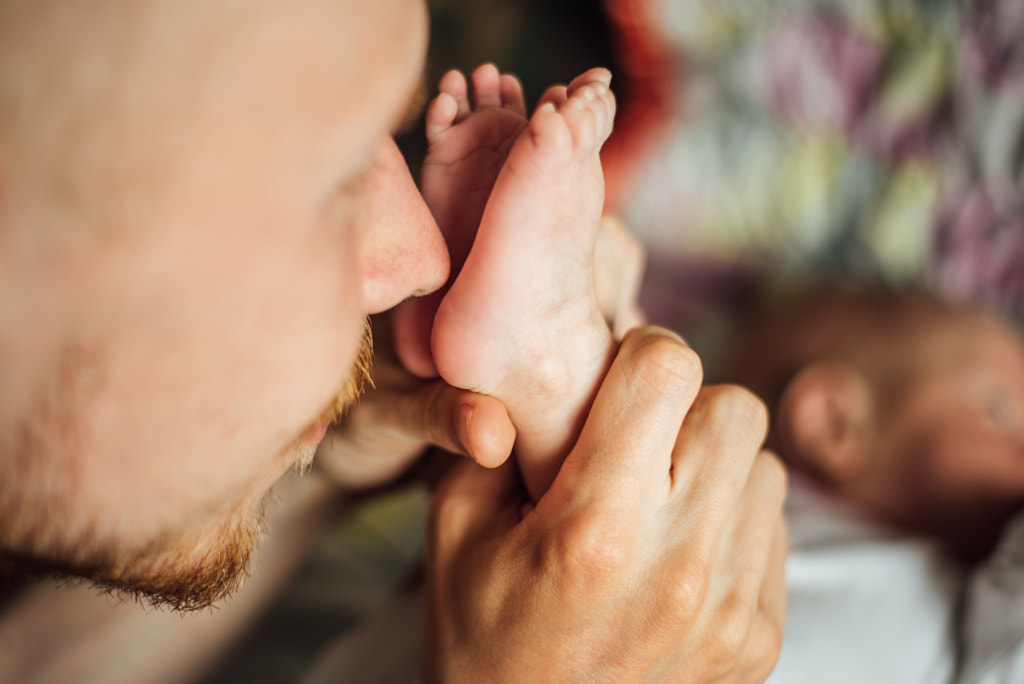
<point>341,68</point>
<point>953,336</point>
<point>922,331</point>
<point>347,63</point>
<point>78,78</point>
<point>979,343</point>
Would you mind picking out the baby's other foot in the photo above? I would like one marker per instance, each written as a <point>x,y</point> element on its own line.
<point>521,321</point>
<point>467,146</point>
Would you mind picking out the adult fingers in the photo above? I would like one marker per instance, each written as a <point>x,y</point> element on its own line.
<point>765,641</point>
<point>717,444</point>
<point>627,439</point>
<point>748,543</point>
<point>773,589</point>
<point>745,582</point>
<point>382,436</point>
<point>456,420</point>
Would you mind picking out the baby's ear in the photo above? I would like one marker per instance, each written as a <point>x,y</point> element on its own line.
<point>826,421</point>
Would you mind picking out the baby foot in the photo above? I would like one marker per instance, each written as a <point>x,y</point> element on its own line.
<point>521,321</point>
<point>467,146</point>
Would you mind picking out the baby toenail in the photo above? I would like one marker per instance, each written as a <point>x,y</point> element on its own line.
<point>589,93</point>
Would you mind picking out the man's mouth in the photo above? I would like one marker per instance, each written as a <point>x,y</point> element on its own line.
<point>319,433</point>
<point>346,397</point>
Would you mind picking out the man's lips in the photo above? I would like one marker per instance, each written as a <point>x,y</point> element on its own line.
<point>318,433</point>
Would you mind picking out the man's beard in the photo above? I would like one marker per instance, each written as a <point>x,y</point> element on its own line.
<point>345,399</point>
<point>222,573</point>
<point>167,572</point>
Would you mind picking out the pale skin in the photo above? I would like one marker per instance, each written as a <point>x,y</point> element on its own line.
<point>536,190</point>
<point>171,348</point>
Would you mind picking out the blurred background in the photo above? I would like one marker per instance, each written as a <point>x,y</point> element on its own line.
<point>760,146</point>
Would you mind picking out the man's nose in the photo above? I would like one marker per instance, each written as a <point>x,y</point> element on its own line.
<point>402,253</point>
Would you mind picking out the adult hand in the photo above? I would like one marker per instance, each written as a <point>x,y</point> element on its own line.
<point>401,415</point>
<point>657,554</point>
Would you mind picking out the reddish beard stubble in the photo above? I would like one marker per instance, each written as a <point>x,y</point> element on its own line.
<point>169,572</point>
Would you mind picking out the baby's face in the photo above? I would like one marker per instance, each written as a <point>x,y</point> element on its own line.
<point>950,445</point>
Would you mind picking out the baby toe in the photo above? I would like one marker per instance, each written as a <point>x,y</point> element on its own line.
<point>487,86</point>
<point>441,114</point>
<point>454,85</point>
<point>512,94</point>
<point>581,118</point>
<point>555,95</point>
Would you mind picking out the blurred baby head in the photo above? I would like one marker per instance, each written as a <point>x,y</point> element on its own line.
<point>907,406</point>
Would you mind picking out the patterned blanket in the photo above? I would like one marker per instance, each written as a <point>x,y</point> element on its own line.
<point>878,140</point>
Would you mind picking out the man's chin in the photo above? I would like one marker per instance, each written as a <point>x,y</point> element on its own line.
<point>188,585</point>
<point>165,575</point>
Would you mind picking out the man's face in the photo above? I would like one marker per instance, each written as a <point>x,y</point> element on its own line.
<point>170,344</point>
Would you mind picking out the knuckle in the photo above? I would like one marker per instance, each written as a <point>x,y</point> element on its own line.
<point>667,363</point>
<point>742,409</point>
<point>589,551</point>
<point>764,648</point>
<point>731,635</point>
<point>688,591</point>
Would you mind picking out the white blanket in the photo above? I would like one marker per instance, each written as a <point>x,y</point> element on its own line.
<point>866,605</point>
